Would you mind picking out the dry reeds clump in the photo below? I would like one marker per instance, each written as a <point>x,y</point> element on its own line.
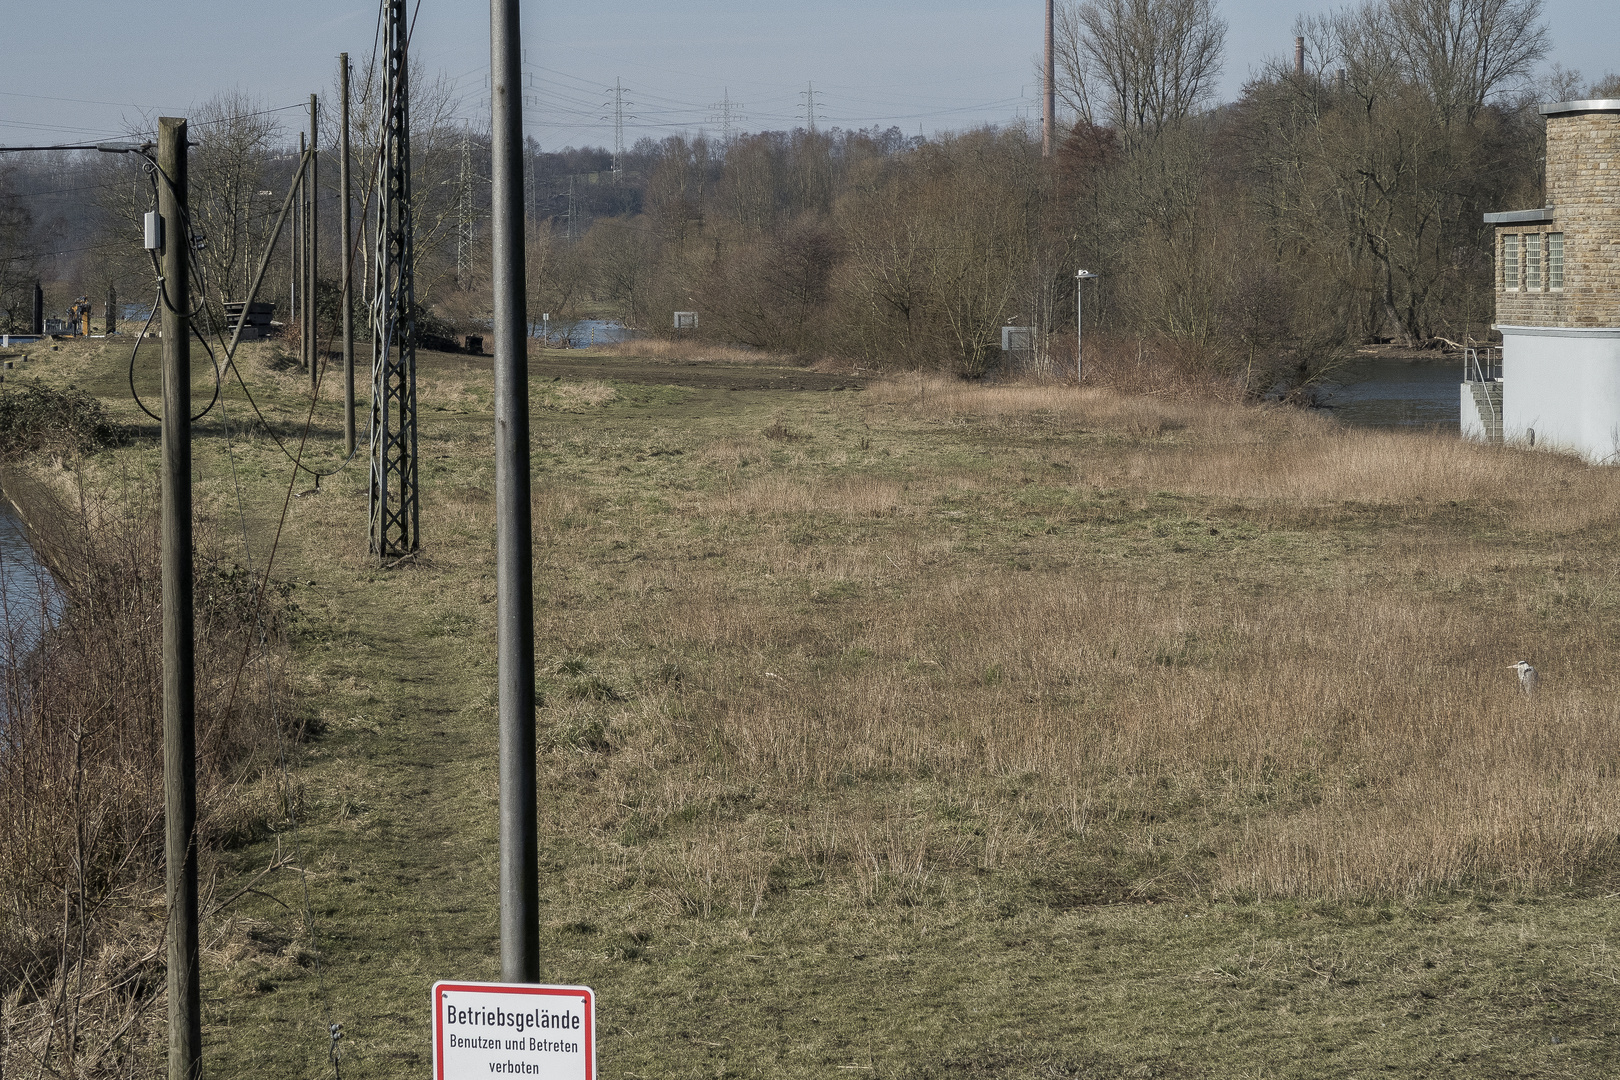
<point>81,782</point>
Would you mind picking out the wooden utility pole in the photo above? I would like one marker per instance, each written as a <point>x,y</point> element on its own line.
<point>179,685</point>
<point>514,556</point>
<point>348,259</point>
<point>1049,90</point>
<point>311,243</point>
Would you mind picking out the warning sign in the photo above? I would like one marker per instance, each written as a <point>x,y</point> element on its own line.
<point>513,1029</point>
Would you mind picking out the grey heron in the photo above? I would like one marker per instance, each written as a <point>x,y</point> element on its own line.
<point>1527,677</point>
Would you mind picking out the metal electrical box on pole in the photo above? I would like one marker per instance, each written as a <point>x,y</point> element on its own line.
<point>394,511</point>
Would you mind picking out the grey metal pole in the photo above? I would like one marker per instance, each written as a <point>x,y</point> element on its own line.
<point>1049,91</point>
<point>1080,279</point>
<point>514,585</point>
<point>312,244</point>
<point>348,259</point>
<point>179,688</point>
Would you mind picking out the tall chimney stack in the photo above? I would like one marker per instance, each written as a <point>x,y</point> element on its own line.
<point>1299,57</point>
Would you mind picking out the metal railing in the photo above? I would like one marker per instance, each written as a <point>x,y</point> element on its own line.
<point>1482,363</point>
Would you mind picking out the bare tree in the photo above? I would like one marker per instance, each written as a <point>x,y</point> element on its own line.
<point>1464,51</point>
<point>1141,64</point>
<point>234,136</point>
<point>16,260</point>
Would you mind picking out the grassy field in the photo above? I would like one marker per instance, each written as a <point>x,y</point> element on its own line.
<point>927,730</point>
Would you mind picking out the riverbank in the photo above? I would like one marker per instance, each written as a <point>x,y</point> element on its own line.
<point>932,730</point>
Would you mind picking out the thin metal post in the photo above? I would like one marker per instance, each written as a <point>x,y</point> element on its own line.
<point>313,244</point>
<point>348,259</point>
<point>1049,90</point>
<point>514,583</point>
<point>1080,278</point>
<point>179,687</point>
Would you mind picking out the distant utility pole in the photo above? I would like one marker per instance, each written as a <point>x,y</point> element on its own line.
<point>179,670</point>
<point>528,185</point>
<point>726,113</point>
<point>618,93</point>
<point>395,516</point>
<point>311,335</point>
<point>514,553</point>
<point>296,300</point>
<point>464,217</point>
<point>810,114</point>
<point>573,209</point>
<point>1049,94</point>
<point>347,226</point>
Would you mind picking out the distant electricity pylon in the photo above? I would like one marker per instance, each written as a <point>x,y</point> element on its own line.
<point>618,93</point>
<point>726,112</point>
<point>464,216</point>
<point>810,113</point>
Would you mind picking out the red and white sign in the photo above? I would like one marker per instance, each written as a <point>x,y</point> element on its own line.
<point>489,1030</point>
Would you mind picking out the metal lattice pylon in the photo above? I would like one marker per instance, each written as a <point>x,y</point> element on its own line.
<point>464,216</point>
<point>394,511</point>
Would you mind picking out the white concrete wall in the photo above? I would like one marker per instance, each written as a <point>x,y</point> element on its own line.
<point>1472,426</point>
<point>1564,384</point>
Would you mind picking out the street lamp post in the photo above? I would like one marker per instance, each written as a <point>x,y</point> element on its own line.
<point>1079,286</point>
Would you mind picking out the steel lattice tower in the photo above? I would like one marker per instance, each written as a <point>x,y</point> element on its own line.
<point>394,511</point>
<point>464,216</point>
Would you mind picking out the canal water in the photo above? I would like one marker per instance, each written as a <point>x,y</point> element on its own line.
<point>1386,393</point>
<point>30,599</point>
<point>581,333</point>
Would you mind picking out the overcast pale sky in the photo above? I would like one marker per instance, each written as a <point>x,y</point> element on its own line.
<point>85,70</point>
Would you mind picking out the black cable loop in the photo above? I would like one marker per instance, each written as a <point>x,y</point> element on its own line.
<point>140,338</point>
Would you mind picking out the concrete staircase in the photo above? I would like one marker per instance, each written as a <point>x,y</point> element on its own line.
<point>1488,400</point>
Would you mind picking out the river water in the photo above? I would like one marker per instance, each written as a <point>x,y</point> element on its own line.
<point>1389,393</point>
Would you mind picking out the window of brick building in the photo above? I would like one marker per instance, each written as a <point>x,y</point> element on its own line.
<point>1555,260</point>
<point>1532,262</point>
<point>1510,262</point>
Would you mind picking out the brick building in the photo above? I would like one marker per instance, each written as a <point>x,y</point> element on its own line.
<point>1558,298</point>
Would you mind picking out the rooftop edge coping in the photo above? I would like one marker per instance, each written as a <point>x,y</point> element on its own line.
<point>1520,217</point>
<point>1563,108</point>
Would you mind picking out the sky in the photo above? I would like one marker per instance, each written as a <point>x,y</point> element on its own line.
<point>94,69</point>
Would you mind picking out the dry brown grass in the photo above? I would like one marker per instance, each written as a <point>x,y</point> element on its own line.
<point>81,776</point>
<point>689,350</point>
<point>1274,714</point>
